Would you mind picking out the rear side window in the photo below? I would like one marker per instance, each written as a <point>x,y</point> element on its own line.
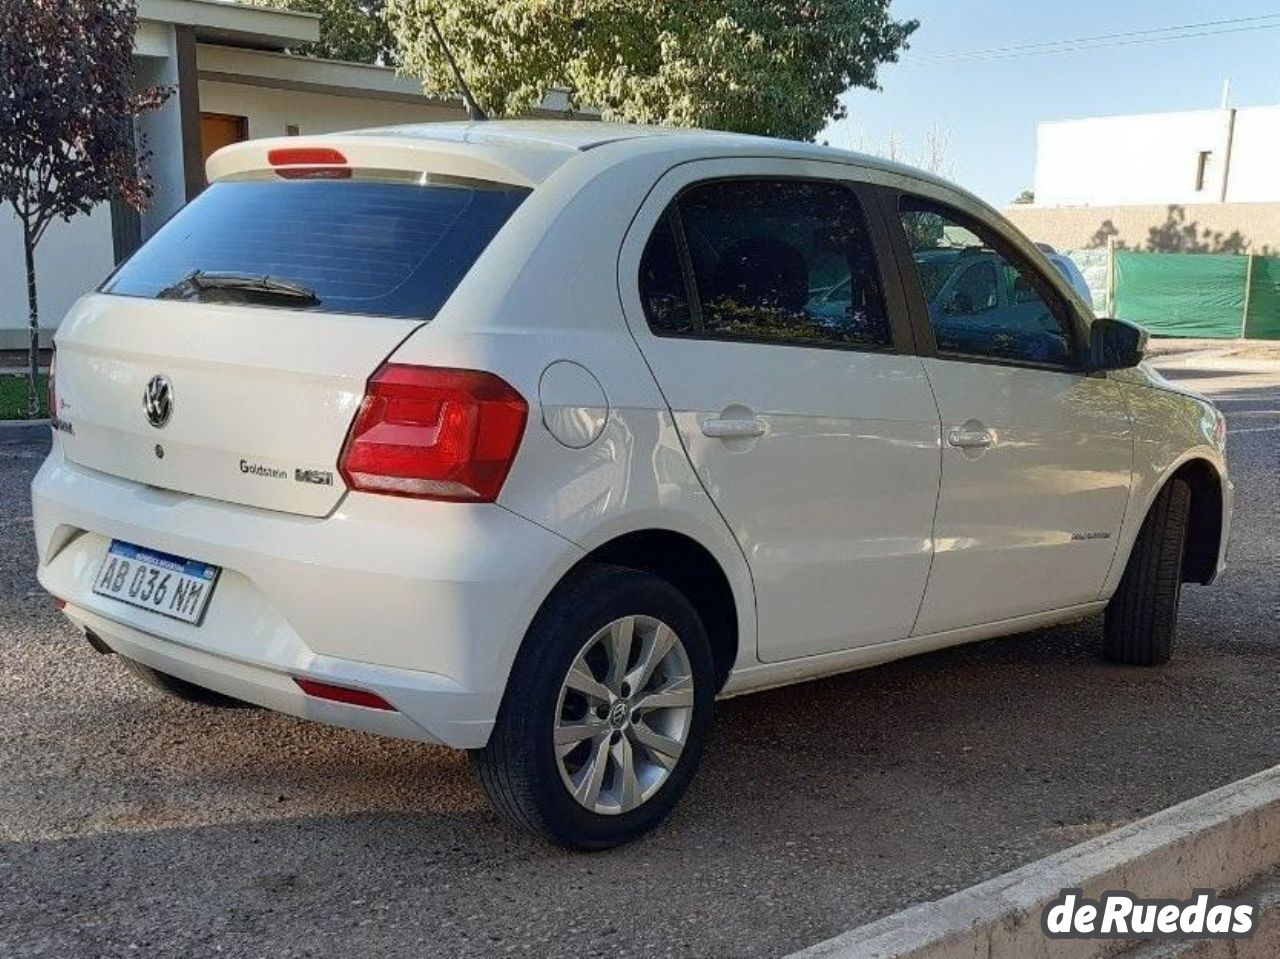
<point>776,261</point>
<point>662,284</point>
<point>361,246</point>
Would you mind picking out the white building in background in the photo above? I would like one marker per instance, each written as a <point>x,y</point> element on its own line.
<point>1227,155</point>
<point>233,82</point>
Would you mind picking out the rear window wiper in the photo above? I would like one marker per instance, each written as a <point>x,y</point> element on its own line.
<point>257,284</point>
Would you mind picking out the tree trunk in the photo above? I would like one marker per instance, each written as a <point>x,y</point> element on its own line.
<point>33,321</point>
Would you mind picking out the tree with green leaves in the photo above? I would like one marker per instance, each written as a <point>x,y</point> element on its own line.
<point>66,126</point>
<point>353,30</point>
<point>772,67</point>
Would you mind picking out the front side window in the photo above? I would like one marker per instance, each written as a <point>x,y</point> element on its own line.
<point>982,302</point>
<point>779,261</point>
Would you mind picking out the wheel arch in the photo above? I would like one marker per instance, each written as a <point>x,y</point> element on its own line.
<point>691,568</point>
<point>1205,522</point>
<point>1202,469</point>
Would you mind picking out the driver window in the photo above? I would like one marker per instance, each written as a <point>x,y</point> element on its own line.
<point>982,303</point>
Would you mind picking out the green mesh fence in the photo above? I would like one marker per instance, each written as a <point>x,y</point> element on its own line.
<point>1263,322</point>
<point>1198,294</point>
<point>1181,294</point>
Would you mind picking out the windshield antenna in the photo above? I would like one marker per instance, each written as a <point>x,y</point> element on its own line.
<point>473,108</point>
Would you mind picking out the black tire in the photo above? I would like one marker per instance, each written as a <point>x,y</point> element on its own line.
<point>181,689</point>
<point>519,769</point>
<point>1141,620</point>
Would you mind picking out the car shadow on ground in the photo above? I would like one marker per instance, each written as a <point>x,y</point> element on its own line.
<point>822,800</point>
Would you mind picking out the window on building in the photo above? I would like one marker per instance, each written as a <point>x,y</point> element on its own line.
<point>1203,161</point>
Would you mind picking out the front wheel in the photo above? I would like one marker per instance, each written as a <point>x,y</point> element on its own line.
<point>1142,618</point>
<point>606,711</point>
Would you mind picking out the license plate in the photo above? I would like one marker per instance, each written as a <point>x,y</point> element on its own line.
<point>169,585</point>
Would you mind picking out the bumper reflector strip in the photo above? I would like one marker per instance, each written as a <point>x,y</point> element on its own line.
<point>343,694</point>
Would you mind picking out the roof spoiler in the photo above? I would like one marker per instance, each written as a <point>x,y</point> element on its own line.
<point>346,152</point>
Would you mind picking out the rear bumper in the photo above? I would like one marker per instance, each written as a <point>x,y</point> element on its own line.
<point>423,603</point>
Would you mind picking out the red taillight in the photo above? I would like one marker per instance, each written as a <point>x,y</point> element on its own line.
<point>309,163</point>
<point>305,156</point>
<point>343,694</point>
<point>435,434</point>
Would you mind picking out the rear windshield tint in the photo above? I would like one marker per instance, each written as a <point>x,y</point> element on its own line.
<point>371,247</point>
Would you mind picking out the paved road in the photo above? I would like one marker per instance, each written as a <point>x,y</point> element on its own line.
<point>134,825</point>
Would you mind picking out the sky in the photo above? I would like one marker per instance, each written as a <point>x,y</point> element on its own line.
<point>984,111</point>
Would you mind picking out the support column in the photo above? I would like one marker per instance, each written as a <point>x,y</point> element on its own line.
<point>189,111</point>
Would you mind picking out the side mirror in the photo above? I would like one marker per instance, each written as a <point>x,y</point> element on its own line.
<point>1115,344</point>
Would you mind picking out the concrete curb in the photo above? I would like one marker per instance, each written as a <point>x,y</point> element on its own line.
<point>1222,840</point>
<point>1198,361</point>
<point>1264,944</point>
<point>19,424</point>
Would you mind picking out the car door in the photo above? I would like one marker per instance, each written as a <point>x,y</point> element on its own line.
<point>755,291</point>
<point>1037,451</point>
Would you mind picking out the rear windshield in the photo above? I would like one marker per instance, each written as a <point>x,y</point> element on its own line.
<point>371,247</point>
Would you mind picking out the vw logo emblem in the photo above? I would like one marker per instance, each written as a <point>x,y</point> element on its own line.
<point>157,401</point>
<point>618,715</point>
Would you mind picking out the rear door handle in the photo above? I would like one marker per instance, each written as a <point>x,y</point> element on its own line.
<point>727,429</point>
<point>971,436</point>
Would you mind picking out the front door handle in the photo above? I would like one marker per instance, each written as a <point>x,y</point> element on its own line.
<point>971,436</point>
<point>723,428</point>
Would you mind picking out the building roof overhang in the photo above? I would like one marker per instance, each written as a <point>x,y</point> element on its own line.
<point>232,24</point>
<point>310,74</point>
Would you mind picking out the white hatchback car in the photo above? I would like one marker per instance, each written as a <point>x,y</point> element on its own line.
<point>533,439</point>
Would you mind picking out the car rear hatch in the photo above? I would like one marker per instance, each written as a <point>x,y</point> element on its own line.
<point>228,357</point>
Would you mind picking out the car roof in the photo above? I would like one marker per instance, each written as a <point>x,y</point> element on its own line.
<point>568,136</point>
<point>576,136</point>
<point>526,152</point>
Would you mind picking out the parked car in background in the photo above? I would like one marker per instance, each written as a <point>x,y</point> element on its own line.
<point>533,439</point>
<point>1067,267</point>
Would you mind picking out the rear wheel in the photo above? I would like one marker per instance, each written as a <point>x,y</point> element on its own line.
<point>606,711</point>
<point>181,689</point>
<point>1142,618</point>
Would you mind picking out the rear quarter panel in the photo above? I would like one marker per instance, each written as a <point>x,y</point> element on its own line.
<point>546,292</point>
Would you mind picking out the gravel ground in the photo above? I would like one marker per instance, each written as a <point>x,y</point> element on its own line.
<point>131,824</point>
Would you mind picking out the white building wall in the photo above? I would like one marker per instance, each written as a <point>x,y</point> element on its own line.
<point>75,256</point>
<point>160,133</point>
<point>71,259</point>
<point>1255,156</point>
<point>271,110</point>
<point>1150,158</point>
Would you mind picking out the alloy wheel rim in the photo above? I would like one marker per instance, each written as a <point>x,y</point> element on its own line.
<point>623,714</point>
